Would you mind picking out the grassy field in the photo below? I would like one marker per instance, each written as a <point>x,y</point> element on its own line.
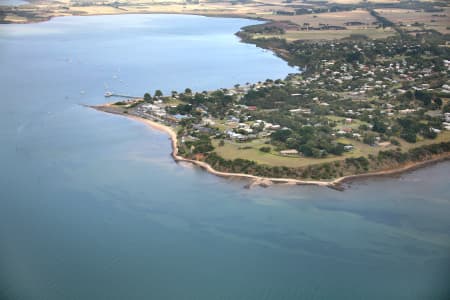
<point>438,21</point>
<point>444,136</point>
<point>327,35</point>
<point>42,10</point>
<point>250,150</point>
<point>361,149</point>
<point>330,18</point>
<point>366,26</point>
<point>342,124</point>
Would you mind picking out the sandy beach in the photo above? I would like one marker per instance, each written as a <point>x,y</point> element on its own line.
<point>267,181</point>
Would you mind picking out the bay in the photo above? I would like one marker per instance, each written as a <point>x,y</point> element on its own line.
<point>93,207</point>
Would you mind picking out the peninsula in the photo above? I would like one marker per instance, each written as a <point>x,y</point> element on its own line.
<point>363,105</point>
<point>360,107</point>
<point>372,97</point>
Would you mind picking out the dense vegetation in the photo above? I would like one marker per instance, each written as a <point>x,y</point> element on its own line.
<point>359,104</point>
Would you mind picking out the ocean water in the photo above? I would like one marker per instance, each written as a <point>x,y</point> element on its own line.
<point>93,207</point>
<point>12,2</point>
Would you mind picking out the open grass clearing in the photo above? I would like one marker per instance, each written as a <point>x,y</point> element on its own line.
<point>250,151</point>
<point>290,35</point>
<point>443,136</point>
<point>341,123</point>
<point>330,18</point>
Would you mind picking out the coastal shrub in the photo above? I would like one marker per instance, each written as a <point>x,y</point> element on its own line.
<point>409,136</point>
<point>265,149</point>
<point>395,142</point>
<point>147,97</point>
<point>429,134</point>
<point>446,108</point>
<point>202,145</point>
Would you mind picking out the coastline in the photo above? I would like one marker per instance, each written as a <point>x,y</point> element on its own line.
<point>41,19</point>
<point>336,183</point>
<point>267,181</point>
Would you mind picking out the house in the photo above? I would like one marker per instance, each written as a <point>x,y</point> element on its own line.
<point>447,117</point>
<point>406,111</point>
<point>180,117</point>
<point>348,147</point>
<point>275,127</point>
<point>435,130</point>
<point>233,135</point>
<point>384,144</point>
<point>347,129</point>
<point>203,129</point>
<point>208,122</point>
<point>300,110</point>
<point>160,113</point>
<point>289,152</point>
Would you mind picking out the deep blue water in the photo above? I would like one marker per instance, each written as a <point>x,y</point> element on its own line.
<point>93,207</point>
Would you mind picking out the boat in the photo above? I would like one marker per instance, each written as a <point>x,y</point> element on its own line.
<point>108,94</point>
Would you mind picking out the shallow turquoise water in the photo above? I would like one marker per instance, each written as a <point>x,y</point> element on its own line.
<point>93,207</point>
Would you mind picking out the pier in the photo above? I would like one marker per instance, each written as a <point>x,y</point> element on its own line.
<point>109,94</point>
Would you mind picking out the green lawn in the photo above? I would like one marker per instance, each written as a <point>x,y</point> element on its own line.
<point>250,151</point>
<point>233,150</point>
<point>340,124</point>
<point>444,136</point>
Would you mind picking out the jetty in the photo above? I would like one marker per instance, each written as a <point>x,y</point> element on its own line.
<point>109,94</point>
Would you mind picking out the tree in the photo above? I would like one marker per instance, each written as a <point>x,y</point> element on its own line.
<point>429,133</point>
<point>147,97</point>
<point>369,139</point>
<point>188,91</point>
<point>281,135</point>
<point>379,126</point>
<point>158,93</point>
<point>265,149</point>
<point>306,149</point>
<point>395,142</point>
<point>409,136</point>
<point>424,97</point>
<point>338,149</point>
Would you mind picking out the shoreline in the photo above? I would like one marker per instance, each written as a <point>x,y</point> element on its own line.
<point>188,13</point>
<point>268,181</point>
